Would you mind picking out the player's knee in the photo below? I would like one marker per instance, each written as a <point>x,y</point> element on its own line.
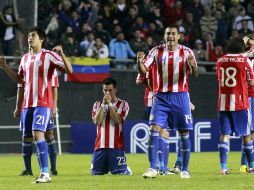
<point>184,134</point>
<point>49,135</point>
<point>224,138</point>
<point>155,128</point>
<point>164,133</point>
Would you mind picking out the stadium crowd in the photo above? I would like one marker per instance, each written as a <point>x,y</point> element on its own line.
<point>119,28</point>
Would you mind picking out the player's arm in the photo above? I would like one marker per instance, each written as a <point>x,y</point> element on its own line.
<point>19,102</point>
<point>55,98</point>
<point>99,115</point>
<point>140,79</point>
<point>67,64</point>
<point>10,72</point>
<point>140,58</point>
<point>192,106</point>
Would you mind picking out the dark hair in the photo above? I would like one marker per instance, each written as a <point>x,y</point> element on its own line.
<point>235,45</point>
<point>42,35</point>
<point>172,26</point>
<point>109,81</point>
<point>6,7</point>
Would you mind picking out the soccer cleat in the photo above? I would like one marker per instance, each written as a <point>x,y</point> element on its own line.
<point>243,169</point>
<point>175,170</point>
<point>150,173</point>
<point>250,170</point>
<point>42,179</point>
<point>26,173</point>
<point>53,172</point>
<point>184,175</point>
<point>168,172</point>
<point>224,172</point>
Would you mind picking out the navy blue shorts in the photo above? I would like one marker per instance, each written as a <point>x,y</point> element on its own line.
<point>251,114</point>
<point>108,160</point>
<point>234,122</point>
<point>34,119</point>
<point>173,110</point>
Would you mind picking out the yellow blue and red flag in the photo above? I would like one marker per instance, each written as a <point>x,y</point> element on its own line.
<point>88,70</point>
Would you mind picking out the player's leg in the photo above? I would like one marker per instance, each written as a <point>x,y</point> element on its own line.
<point>52,148</point>
<point>117,162</point>
<point>41,117</point>
<point>242,128</point>
<point>182,121</point>
<point>27,142</point>
<point>225,127</point>
<point>99,164</point>
<point>179,159</point>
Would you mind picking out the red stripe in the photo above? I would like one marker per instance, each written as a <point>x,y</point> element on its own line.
<point>55,55</point>
<point>98,138</point>
<point>170,70</point>
<point>107,126</point>
<point>82,77</point>
<point>227,102</point>
<point>31,72</point>
<point>160,80</point>
<point>181,71</point>
<point>41,76</point>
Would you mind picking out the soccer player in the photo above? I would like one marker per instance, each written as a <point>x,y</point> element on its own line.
<point>249,43</point>
<point>27,139</point>
<point>173,62</point>
<point>234,73</point>
<point>108,115</point>
<point>35,74</point>
<point>163,151</point>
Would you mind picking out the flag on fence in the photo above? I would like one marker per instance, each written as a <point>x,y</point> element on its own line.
<point>88,70</point>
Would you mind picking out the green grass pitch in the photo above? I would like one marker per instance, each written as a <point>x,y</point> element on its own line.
<point>74,173</point>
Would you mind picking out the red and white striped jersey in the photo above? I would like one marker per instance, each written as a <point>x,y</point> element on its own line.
<point>109,134</point>
<point>37,72</point>
<point>171,68</point>
<point>233,72</point>
<point>249,54</point>
<point>149,95</point>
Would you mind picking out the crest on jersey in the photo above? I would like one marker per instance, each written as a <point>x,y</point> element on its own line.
<point>38,62</point>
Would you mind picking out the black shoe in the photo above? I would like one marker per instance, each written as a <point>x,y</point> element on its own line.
<point>53,172</point>
<point>26,173</point>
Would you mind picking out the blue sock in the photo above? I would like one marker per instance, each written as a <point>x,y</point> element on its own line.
<point>153,146</point>
<point>243,157</point>
<point>37,150</point>
<point>52,153</point>
<point>179,158</point>
<point>42,152</point>
<point>248,149</point>
<point>185,151</point>
<point>161,153</point>
<point>27,150</point>
<point>166,153</point>
<point>223,153</point>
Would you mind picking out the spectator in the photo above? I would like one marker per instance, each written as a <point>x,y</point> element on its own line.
<point>154,31</point>
<point>174,12</point>
<point>242,16</point>
<point>129,20</point>
<point>117,29</point>
<point>199,51</point>
<point>214,54</point>
<point>150,43</point>
<point>97,50</point>
<point>89,40</point>
<point>71,47</point>
<point>100,32</point>
<point>119,48</point>
<point>141,25</point>
<point>244,31</point>
<point>192,31</point>
<point>121,9</point>
<point>68,30</point>
<point>85,29</point>
<point>208,23</point>
<point>8,23</point>
<point>222,25</point>
<point>137,43</point>
<point>196,9</point>
<point>209,44</point>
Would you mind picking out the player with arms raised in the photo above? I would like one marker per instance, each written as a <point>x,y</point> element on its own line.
<point>173,62</point>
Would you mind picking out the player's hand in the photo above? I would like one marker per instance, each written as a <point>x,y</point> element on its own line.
<point>107,99</point>
<point>58,50</point>
<point>246,40</point>
<point>53,114</point>
<point>192,106</point>
<point>16,113</point>
<point>192,65</point>
<point>2,62</point>
<point>140,56</point>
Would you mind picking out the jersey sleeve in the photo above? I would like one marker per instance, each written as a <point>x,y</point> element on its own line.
<point>57,61</point>
<point>149,59</point>
<point>96,107</point>
<point>123,110</point>
<point>249,70</point>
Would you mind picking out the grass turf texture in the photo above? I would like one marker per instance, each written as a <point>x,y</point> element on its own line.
<point>74,173</point>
